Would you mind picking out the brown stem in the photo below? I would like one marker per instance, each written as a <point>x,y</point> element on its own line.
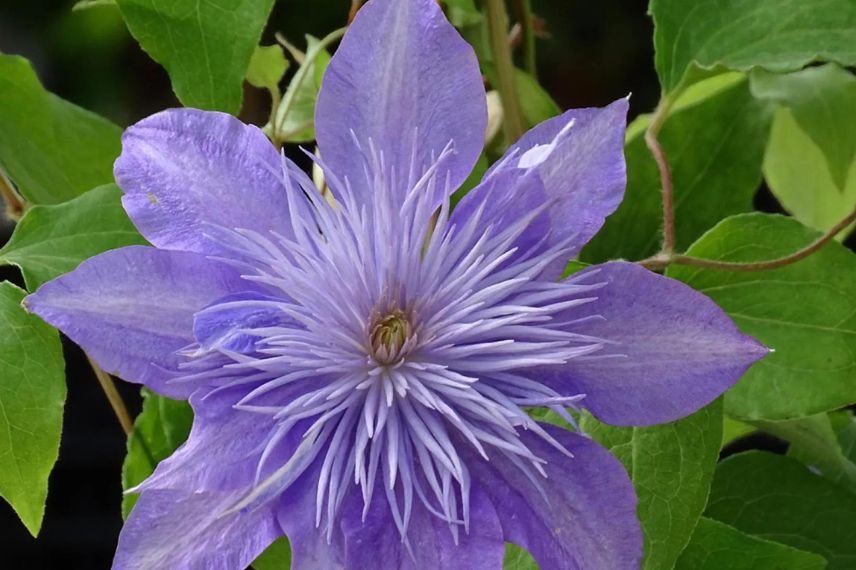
<point>355,7</point>
<point>660,261</point>
<point>497,18</point>
<point>15,205</point>
<point>109,388</point>
<point>660,116</point>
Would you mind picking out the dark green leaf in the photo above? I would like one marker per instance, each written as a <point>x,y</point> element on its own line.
<point>52,240</point>
<point>777,498</point>
<point>805,311</point>
<point>205,45</point>
<point>798,175</point>
<point>267,66</point>
<point>32,395</point>
<point>277,556</point>
<point>779,35</point>
<point>715,147</point>
<point>160,428</point>
<point>814,442</point>
<point>671,466</point>
<point>716,546</point>
<point>51,149</point>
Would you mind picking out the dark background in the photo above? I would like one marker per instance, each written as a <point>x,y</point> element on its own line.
<point>595,53</point>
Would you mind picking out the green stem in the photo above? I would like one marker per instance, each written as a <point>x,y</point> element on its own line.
<point>300,77</point>
<point>523,11</point>
<point>497,20</point>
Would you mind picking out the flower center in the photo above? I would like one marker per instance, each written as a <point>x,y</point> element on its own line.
<point>389,335</point>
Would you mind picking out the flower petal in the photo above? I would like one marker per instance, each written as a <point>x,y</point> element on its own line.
<point>193,531</point>
<point>507,196</point>
<point>132,308</point>
<point>579,156</point>
<point>583,516</point>
<point>670,350</point>
<point>404,81</point>
<point>183,168</point>
<point>228,322</point>
<point>233,436</point>
<point>360,543</point>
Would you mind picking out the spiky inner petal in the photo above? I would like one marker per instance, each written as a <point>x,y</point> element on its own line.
<point>409,338</point>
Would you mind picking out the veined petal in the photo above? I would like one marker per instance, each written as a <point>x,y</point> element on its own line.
<point>505,197</point>
<point>177,529</point>
<point>582,515</point>
<point>233,437</point>
<point>132,308</point>
<point>183,168</point>
<point>404,82</point>
<point>228,322</point>
<point>670,349</point>
<point>579,157</point>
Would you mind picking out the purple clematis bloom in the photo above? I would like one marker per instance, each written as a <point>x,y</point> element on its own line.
<point>360,372</point>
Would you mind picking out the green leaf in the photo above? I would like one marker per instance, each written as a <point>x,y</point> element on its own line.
<point>462,12</point>
<point>536,104</point>
<point>671,466</point>
<point>160,428</point>
<point>32,395</point>
<point>51,149</point>
<point>823,102</point>
<point>267,66</point>
<point>715,545</point>
<point>517,558</point>
<point>805,311</point>
<point>798,175</point>
<point>205,45</point>
<point>733,430</point>
<point>777,498</point>
<point>847,438</point>
<point>814,442</point>
<point>715,148</point>
<point>778,35</point>
<point>295,117</point>
<point>52,240</point>
<point>277,556</point>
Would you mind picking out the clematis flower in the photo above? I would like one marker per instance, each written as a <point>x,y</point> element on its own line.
<point>361,372</point>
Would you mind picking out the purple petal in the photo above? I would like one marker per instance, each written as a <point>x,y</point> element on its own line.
<point>228,322</point>
<point>579,156</point>
<point>670,350</point>
<point>584,514</point>
<point>193,531</point>
<point>132,308</point>
<point>506,196</point>
<point>234,437</point>
<point>182,169</point>
<point>361,544</point>
<point>404,82</point>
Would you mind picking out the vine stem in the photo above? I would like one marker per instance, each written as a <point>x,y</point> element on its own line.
<point>355,7</point>
<point>109,388</point>
<point>15,205</point>
<point>661,113</point>
<point>523,11</point>
<point>497,18</point>
<point>282,111</point>
<point>663,260</point>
